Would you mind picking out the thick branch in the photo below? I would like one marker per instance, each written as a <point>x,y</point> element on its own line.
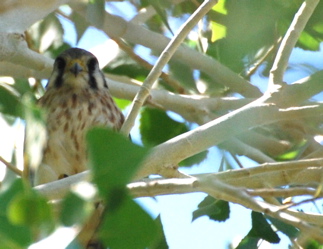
<point>243,178</point>
<point>215,132</point>
<point>13,49</point>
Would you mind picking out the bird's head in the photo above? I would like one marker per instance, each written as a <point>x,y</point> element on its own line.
<point>76,68</point>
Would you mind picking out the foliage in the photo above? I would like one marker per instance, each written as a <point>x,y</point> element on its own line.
<point>221,66</point>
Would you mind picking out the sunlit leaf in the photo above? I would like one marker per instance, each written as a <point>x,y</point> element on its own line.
<point>31,209</point>
<point>8,192</point>
<point>220,7</point>
<point>122,103</point>
<point>308,42</point>
<point>218,31</point>
<point>313,244</point>
<point>12,235</point>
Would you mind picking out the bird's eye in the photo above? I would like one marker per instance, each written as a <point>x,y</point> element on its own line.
<point>92,64</point>
<point>60,63</point>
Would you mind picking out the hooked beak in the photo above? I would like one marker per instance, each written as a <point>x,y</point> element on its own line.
<point>76,68</point>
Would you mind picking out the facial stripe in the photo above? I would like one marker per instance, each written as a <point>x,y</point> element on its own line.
<point>60,65</point>
<point>59,80</point>
<point>92,81</point>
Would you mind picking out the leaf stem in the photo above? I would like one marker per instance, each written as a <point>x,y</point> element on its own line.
<point>11,167</point>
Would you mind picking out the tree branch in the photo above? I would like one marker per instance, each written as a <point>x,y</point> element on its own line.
<point>285,49</point>
<point>222,191</point>
<point>162,61</point>
<point>287,173</point>
<point>115,26</point>
<point>170,81</point>
<point>215,132</point>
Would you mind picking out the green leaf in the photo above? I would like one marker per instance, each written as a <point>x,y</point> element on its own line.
<point>262,229</point>
<point>157,127</point>
<point>122,103</point>
<point>308,42</point>
<point>30,209</point>
<point>81,24</point>
<point>73,209</point>
<point>183,73</point>
<point>50,33</point>
<point>8,192</point>
<point>217,210</point>
<point>13,237</point>
<point>160,242</point>
<point>22,86</point>
<point>125,66</point>
<point>95,13</point>
<point>9,101</point>
<point>196,159</point>
<point>114,160</point>
<point>218,31</point>
<point>313,244</point>
<point>157,5</point>
<point>287,229</point>
<point>129,226</point>
<point>248,243</point>
<point>220,7</point>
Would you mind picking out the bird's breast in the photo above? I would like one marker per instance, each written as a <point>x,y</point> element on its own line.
<point>70,114</point>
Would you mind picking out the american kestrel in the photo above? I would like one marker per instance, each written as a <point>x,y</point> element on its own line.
<point>77,98</point>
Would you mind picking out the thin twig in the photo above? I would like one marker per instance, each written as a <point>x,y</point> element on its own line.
<point>289,205</point>
<point>161,62</point>
<point>223,191</point>
<point>171,82</point>
<point>289,41</point>
<point>257,64</point>
<point>286,192</point>
<point>236,160</point>
<point>11,167</point>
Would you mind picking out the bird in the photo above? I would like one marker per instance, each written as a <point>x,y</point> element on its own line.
<point>76,99</point>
